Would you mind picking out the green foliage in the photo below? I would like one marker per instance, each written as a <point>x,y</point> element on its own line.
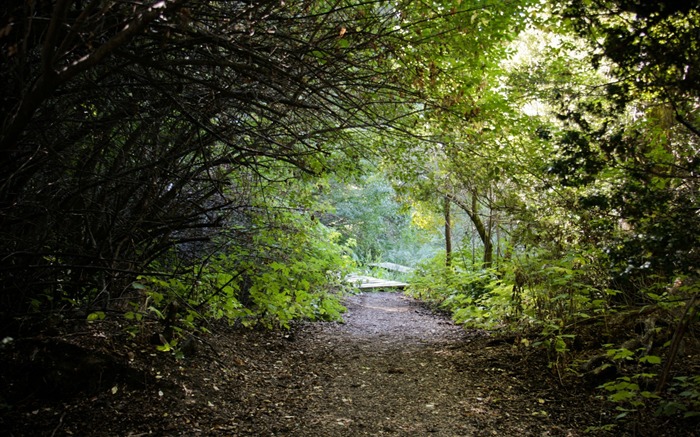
<point>534,288</point>
<point>97,315</point>
<point>475,297</point>
<point>371,217</point>
<point>294,273</point>
<point>631,394</point>
<point>163,131</point>
<point>634,147</point>
<point>686,400</point>
<point>626,393</point>
<point>300,285</point>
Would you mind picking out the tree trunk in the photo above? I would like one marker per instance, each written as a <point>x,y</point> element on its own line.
<point>448,232</point>
<point>481,229</point>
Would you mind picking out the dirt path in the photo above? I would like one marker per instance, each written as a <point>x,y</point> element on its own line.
<point>393,369</point>
<point>388,370</point>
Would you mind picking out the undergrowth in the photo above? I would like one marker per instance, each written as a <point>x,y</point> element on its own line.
<point>285,274</point>
<point>567,307</point>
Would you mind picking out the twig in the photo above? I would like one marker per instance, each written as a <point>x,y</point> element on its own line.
<point>60,422</point>
<point>675,344</point>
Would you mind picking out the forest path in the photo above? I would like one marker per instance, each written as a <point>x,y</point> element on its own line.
<point>396,368</point>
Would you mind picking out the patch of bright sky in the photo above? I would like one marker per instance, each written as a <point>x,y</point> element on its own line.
<point>526,49</point>
<point>530,49</point>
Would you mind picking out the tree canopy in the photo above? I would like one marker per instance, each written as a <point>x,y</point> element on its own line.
<point>130,128</point>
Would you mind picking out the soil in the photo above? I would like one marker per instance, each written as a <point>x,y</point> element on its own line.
<point>393,368</point>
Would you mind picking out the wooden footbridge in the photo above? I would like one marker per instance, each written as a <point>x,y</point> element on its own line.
<point>368,282</point>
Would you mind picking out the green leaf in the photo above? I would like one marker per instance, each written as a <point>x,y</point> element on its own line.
<point>651,359</point>
<point>97,315</point>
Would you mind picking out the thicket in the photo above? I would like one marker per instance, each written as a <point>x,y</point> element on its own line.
<point>596,204</point>
<point>172,153</point>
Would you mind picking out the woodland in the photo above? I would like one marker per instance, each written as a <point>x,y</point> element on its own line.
<point>173,172</point>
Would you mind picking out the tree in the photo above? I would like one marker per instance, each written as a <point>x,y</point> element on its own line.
<point>374,219</point>
<point>132,131</point>
<point>642,133</point>
<point>131,128</point>
<point>599,188</point>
